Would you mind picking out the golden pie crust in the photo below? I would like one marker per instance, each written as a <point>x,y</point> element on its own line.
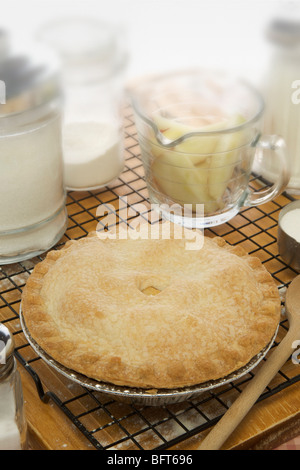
<point>92,307</point>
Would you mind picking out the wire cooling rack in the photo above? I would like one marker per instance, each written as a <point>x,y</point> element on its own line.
<point>108,424</point>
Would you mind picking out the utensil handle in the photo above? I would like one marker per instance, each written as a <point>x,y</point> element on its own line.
<point>278,150</point>
<point>238,410</point>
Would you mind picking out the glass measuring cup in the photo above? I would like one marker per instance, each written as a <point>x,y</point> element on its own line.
<point>199,132</point>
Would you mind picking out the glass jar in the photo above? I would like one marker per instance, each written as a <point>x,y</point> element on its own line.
<point>93,63</point>
<point>282,92</point>
<point>13,426</point>
<point>33,215</point>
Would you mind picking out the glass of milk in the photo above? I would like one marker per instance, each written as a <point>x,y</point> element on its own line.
<point>33,215</point>
<point>93,63</point>
<point>281,89</point>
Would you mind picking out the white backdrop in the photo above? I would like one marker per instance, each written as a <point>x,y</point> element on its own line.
<point>166,34</point>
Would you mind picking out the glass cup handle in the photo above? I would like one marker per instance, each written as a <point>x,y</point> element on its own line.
<point>278,147</point>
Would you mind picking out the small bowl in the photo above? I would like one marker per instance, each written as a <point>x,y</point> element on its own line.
<point>289,248</point>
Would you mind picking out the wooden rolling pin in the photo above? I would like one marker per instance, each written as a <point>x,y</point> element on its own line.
<point>239,409</point>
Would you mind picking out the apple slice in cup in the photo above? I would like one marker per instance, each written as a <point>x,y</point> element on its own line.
<point>226,155</point>
<point>197,170</point>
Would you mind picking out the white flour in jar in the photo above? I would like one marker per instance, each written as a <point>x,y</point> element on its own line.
<point>92,154</point>
<point>9,431</point>
<point>290,223</point>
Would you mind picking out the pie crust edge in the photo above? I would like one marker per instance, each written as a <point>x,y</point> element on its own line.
<point>113,370</point>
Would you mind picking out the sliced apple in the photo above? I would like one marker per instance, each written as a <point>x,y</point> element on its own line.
<point>184,185</point>
<point>182,172</point>
<point>227,154</point>
<point>197,147</point>
<point>196,171</point>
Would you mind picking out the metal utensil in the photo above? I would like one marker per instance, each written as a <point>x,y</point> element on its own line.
<point>239,409</point>
<point>289,248</point>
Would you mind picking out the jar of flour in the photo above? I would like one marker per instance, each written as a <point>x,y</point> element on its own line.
<point>33,216</point>
<point>93,62</point>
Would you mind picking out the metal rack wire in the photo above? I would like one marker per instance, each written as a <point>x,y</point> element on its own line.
<point>108,424</point>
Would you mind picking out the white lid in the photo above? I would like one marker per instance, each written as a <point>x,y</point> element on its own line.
<point>85,44</point>
<point>284,28</point>
<point>285,32</point>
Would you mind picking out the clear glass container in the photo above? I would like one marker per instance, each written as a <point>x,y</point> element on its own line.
<point>13,426</point>
<point>33,215</point>
<point>93,61</point>
<point>199,133</point>
<point>282,92</point>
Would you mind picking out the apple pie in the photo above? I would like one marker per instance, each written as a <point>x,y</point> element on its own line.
<point>150,313</point>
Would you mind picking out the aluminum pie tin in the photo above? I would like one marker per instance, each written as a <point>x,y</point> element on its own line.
<point>139,396</point>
